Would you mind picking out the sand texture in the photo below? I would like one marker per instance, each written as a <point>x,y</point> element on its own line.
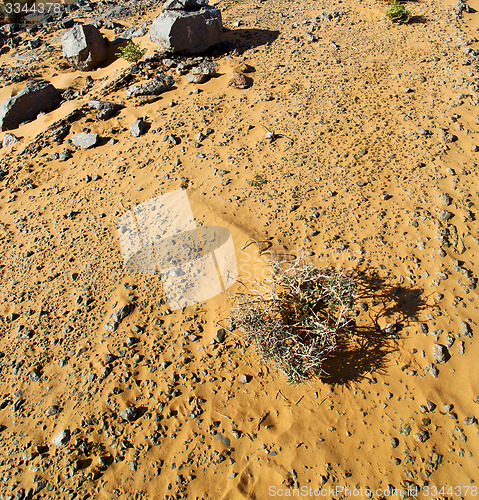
<point>363,134</point>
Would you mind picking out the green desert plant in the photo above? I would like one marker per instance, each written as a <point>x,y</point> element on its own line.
<point>257,181</point>
<point>296,316</point>
<point>398,13</point>
<point>132,52</point>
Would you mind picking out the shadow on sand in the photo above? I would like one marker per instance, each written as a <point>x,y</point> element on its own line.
<point>240,40</point>
<point>364,349</point>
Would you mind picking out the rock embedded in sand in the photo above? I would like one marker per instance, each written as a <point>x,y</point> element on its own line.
<point>440,353</point>
<point>445,199</point>
<point>238,81</point>
<point>9,139</point>
<point>158,85</point>
<point>84,47</point>
<point>220,335</point>
<point>466,329</point>
<point>202,72</point>
<point>242,67</point>
<point>105,109</point>
<point>432,370</point>
<point>445,215</point>
<point>447,137</point>
<point>130,414</point>
<point>85,140</point>
<point>390,329</point>
<point>111,326</point>
<point>37,97</point>
<point>122,312</point>
<point>65,155</point>
<point>422,436</point>
<point>196,78</point>
<point>138,127</point>
<point>186,27</point>
<point>52,410</point>
<point>61,438</point>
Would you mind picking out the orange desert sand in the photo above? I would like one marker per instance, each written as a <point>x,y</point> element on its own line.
<point>373,167</point>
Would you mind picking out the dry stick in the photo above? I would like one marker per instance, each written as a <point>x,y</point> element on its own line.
<point>228,330</point>
<point>250,240</point>
<point>280,393</point>
<point>261,420</point>
<point>226,416</point>
<point>298,400</point>
<point>275,136</point>
<point>324,399</point>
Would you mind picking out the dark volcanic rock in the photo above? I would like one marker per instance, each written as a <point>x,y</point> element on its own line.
<point>37,97</point>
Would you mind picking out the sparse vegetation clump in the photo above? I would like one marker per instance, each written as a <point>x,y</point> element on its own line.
<point>132,52</point>
<point>398,13</point>
<point>296,316</point>
<point>257,181</point>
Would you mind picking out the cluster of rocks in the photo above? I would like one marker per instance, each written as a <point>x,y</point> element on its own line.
<point>202,73</point>
<point>156,86</point>
<point>183,27</point>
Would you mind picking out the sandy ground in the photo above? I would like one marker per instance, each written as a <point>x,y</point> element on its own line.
<point>362,108</point>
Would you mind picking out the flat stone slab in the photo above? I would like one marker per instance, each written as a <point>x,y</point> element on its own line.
<point>85,140</point>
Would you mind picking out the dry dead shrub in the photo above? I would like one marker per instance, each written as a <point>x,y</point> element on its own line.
<point>295,316</point>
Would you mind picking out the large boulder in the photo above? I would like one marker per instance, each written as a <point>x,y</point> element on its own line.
<point>186,27</point>
<point>37,97</point>
<point>84,47</point>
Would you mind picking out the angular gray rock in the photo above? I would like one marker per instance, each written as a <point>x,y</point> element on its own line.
<point>432,370</point>
<point>52,410</point>
<point>9,139</point>
<point>37,97</point>
<point>138,127</point>
<point>84,140</point>
<point>186,27</point>
<point>84,47</point>
<point>105,109</point>
<point>202,72</point>
<point>133,32</point>
<point>440,353</point>
<point>130,414</point>
<point>159,84</point>
<point>196,78</point>
<point>61,438</point>
<point>122,312</point>
<point>207,68</point>
<point>102,105</point>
